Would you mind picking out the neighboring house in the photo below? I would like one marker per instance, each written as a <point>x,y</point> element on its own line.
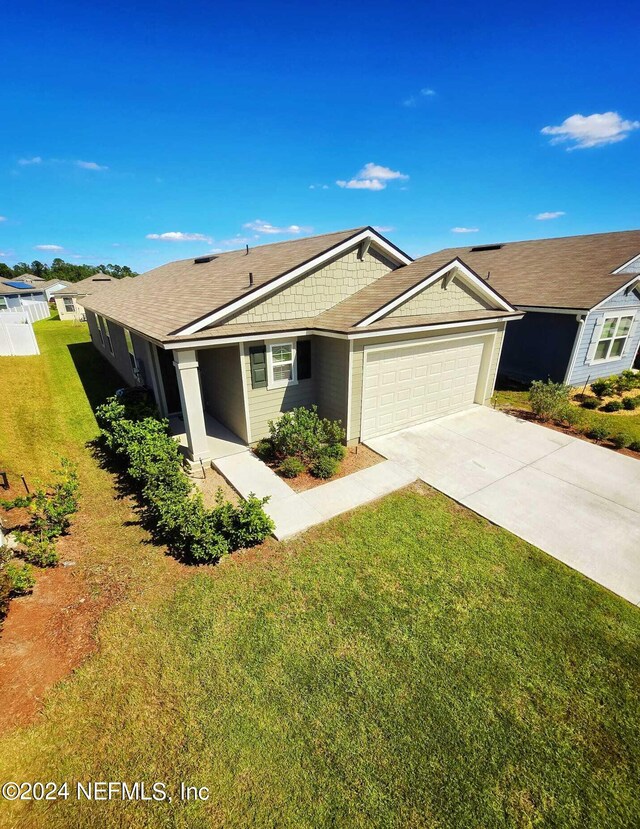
<point>51,286</point>
<point>581,295</point>
<point>70,298</point>
<point>346,321</point>
<point>13,292</point>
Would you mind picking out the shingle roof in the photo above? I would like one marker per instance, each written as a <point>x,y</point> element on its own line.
<point>87,286</point>
<point>6,288</point>
<point>565,272</point>
<point>168,298</point>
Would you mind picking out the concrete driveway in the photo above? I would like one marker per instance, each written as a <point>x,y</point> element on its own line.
<point>574,500</point>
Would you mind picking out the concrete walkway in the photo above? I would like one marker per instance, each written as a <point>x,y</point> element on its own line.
<point>294,512</point>
<point>576,501</point>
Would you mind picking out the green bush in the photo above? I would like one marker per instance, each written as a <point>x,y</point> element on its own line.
<point>175,515</point>
<point>604,387</point>
<point>630,403</point>
<point>635,445</point>
<point>548,400</point>
<point>598,433</point>
<point>6,586</point>
<point>324,466</point>
<point>590,403</point>
<point>21,577</point>
<point>612,406</point>
<point>620,440</point>
<point>302,433</point>
<point>337,451</point>
<point>264,450</point>
<point>626,381</point>
<point>570,415</point>
<point>38,550</point>
<point>291,467</point>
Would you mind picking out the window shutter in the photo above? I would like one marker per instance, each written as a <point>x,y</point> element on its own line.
<point>594,339</point>
<point>633,330</point>
<point>258,360</point>
<point>303,352</point>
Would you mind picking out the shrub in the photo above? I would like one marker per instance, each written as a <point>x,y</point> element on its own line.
<point>630,403</point>
<point>337,451</point>
<point>264,450</point>
<point>324,466</point>
<point>548,400</point>
<point>6,585</point>
<point>620,440</point>
<point>598,433</point>
<point>626,381</point>
<point>590,403</point>
<point>603,387</point>
<point>291,467</point>
<point>635,445</point>
<point>612,406</point>
<point>569,415</point>
<point>21,578</point>
<point>302,433</point>
<point>175,515</point>
<point>38,550</point>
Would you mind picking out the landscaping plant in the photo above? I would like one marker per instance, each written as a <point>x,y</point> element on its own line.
<point>612,406</point>
<point>291,468</point>
<point>620,440</point>
<point>549,400</point>
<point>590,403</point>
<point>175,514</point>
<point>598,433</point>
<point>603,387</point>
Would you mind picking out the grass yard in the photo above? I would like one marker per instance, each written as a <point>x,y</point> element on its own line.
<point>627,422</point>
<point>409,665</point>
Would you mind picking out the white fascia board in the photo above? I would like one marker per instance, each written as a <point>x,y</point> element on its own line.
<point>425,329</point>
<point>635,280</point>
<point>626,264</point>
<point>280,282</point>
<point>481,286</point>
<point>250,338</point>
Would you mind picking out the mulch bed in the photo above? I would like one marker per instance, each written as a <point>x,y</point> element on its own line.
<point>358,457</point>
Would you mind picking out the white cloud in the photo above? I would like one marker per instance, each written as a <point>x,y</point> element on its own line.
<point>25,161</point>
<point>414,100</point>
<point>259,226</point>
<point>465,229</point>
<point>552,214</point>
<point>383,228</point>
<point>178,236</point>
<point>3,218</point>
<point>318,187</point>
<point>91,165</point>
<point>427,92</point>
<point>372,177</point>
<point>48,247</point>
<point>584,131</point>
<point>362,184</point>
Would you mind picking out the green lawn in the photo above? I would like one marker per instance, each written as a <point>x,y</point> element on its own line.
<point>626,422</point>
<point>409,665</point>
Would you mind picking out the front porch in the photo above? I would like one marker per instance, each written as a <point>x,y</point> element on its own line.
<point>220,441</point>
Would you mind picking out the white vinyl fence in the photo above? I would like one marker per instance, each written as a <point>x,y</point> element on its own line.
<point>16,335</point>
<point>35,309</point>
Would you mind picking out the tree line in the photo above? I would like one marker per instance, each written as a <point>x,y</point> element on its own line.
<point>59,269</point>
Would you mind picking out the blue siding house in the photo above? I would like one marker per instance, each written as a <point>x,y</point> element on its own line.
<point>581,298</point>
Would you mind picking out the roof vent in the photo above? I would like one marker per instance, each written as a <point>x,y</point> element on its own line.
<point>202,259</point>
<point>480,248</point>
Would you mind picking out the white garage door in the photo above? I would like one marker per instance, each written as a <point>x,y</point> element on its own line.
<point>403,386</point>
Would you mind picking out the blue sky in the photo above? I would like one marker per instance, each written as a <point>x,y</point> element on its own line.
<point>229,122</point>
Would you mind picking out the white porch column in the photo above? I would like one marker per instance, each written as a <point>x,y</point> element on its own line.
<point>186,363</point>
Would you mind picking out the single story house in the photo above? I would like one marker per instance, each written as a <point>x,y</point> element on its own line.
<point>51,286</point>
<point>69,299</point>
<point>581,295</point>
<point>346,321</point>
<point>14,291</point>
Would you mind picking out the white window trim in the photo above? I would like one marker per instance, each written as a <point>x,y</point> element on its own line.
<point>70,299</point>
<point>281,384</point>
<point>617,316</point>
<point>3,303</point>
<point>131,350</point>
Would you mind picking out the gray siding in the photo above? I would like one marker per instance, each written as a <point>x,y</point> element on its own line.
<point>330,373</point>
<point>584,372</point>
<point>267,404</point>
<point>120,357</point>
<point>221,383</point>
<point>357,364</point>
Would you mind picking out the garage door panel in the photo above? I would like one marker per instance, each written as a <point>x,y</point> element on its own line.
<point>405,386</point>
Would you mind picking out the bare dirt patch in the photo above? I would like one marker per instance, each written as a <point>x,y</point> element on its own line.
<point>211,483</point>
<point>358,457</point>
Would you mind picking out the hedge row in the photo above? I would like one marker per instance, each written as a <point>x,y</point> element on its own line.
<point>175,514</point>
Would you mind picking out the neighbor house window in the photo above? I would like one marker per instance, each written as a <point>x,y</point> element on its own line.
<point>282,365</point>
<point>613,337</point>
<point>69,305</point>
<point>3,303</point>
<point>130,349</point>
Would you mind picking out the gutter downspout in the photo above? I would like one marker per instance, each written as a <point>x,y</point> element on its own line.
<point>581,318</point>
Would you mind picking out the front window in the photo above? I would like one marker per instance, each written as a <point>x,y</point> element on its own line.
<point>69,305</point>
<point>282,370</point>
<point>613,338</point>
